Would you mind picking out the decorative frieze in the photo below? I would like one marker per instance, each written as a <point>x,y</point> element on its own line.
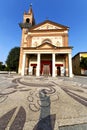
<point>47,26</point>
<point>57,40</point>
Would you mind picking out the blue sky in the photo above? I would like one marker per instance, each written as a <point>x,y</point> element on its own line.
<point>72,13</point>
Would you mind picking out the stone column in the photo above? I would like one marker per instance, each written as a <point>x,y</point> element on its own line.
<point>66,65</point>
<point>70,65</point>
<point>38,65</point>
<point>23,64</point>
<point>27,65</point>
<point>53,65</point>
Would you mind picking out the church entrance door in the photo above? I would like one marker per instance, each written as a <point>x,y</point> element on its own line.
<point>34,70</point>
<point>58,71</point>
<point>46,70</point>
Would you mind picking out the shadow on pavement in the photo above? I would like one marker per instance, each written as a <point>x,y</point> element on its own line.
<point>46,121</point>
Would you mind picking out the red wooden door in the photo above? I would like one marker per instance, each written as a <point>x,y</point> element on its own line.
<point>46,70</point>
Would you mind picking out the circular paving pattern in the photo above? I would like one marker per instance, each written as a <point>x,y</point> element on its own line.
<point>38,95</point>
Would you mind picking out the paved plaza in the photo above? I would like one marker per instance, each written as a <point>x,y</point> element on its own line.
<point>43,103</point>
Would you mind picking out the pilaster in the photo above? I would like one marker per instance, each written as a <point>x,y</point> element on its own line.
<point>38,65</point>
<point>70,65</point>
<point>53,65</point>
<point>23,64</point>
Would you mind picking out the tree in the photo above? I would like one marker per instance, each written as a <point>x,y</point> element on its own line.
<point>83,62</point>
<point>13,59</point>
<point>2,66</point>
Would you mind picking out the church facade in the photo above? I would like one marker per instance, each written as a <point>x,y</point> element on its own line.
<point>44,48</point>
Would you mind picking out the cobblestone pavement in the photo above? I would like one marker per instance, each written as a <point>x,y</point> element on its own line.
<point>43,103</point>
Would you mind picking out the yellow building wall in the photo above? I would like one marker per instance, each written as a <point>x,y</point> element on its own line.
<point>83,55</point>
<point>76,65</point>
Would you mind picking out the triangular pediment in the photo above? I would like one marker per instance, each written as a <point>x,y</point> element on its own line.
<point>49,25</point>
<point>45,46</point>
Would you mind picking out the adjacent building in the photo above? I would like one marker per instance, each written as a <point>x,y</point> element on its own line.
<point>44,48</point>
<point>77,70</point>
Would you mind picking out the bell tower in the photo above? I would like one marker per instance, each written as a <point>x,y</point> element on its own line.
<point>28,22</point>
<point>28,19</point>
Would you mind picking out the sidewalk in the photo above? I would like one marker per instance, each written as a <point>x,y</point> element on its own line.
<point>42,103</point>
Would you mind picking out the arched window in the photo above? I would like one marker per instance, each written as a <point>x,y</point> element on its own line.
<point>47,41</point>
<point>27,20</point>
